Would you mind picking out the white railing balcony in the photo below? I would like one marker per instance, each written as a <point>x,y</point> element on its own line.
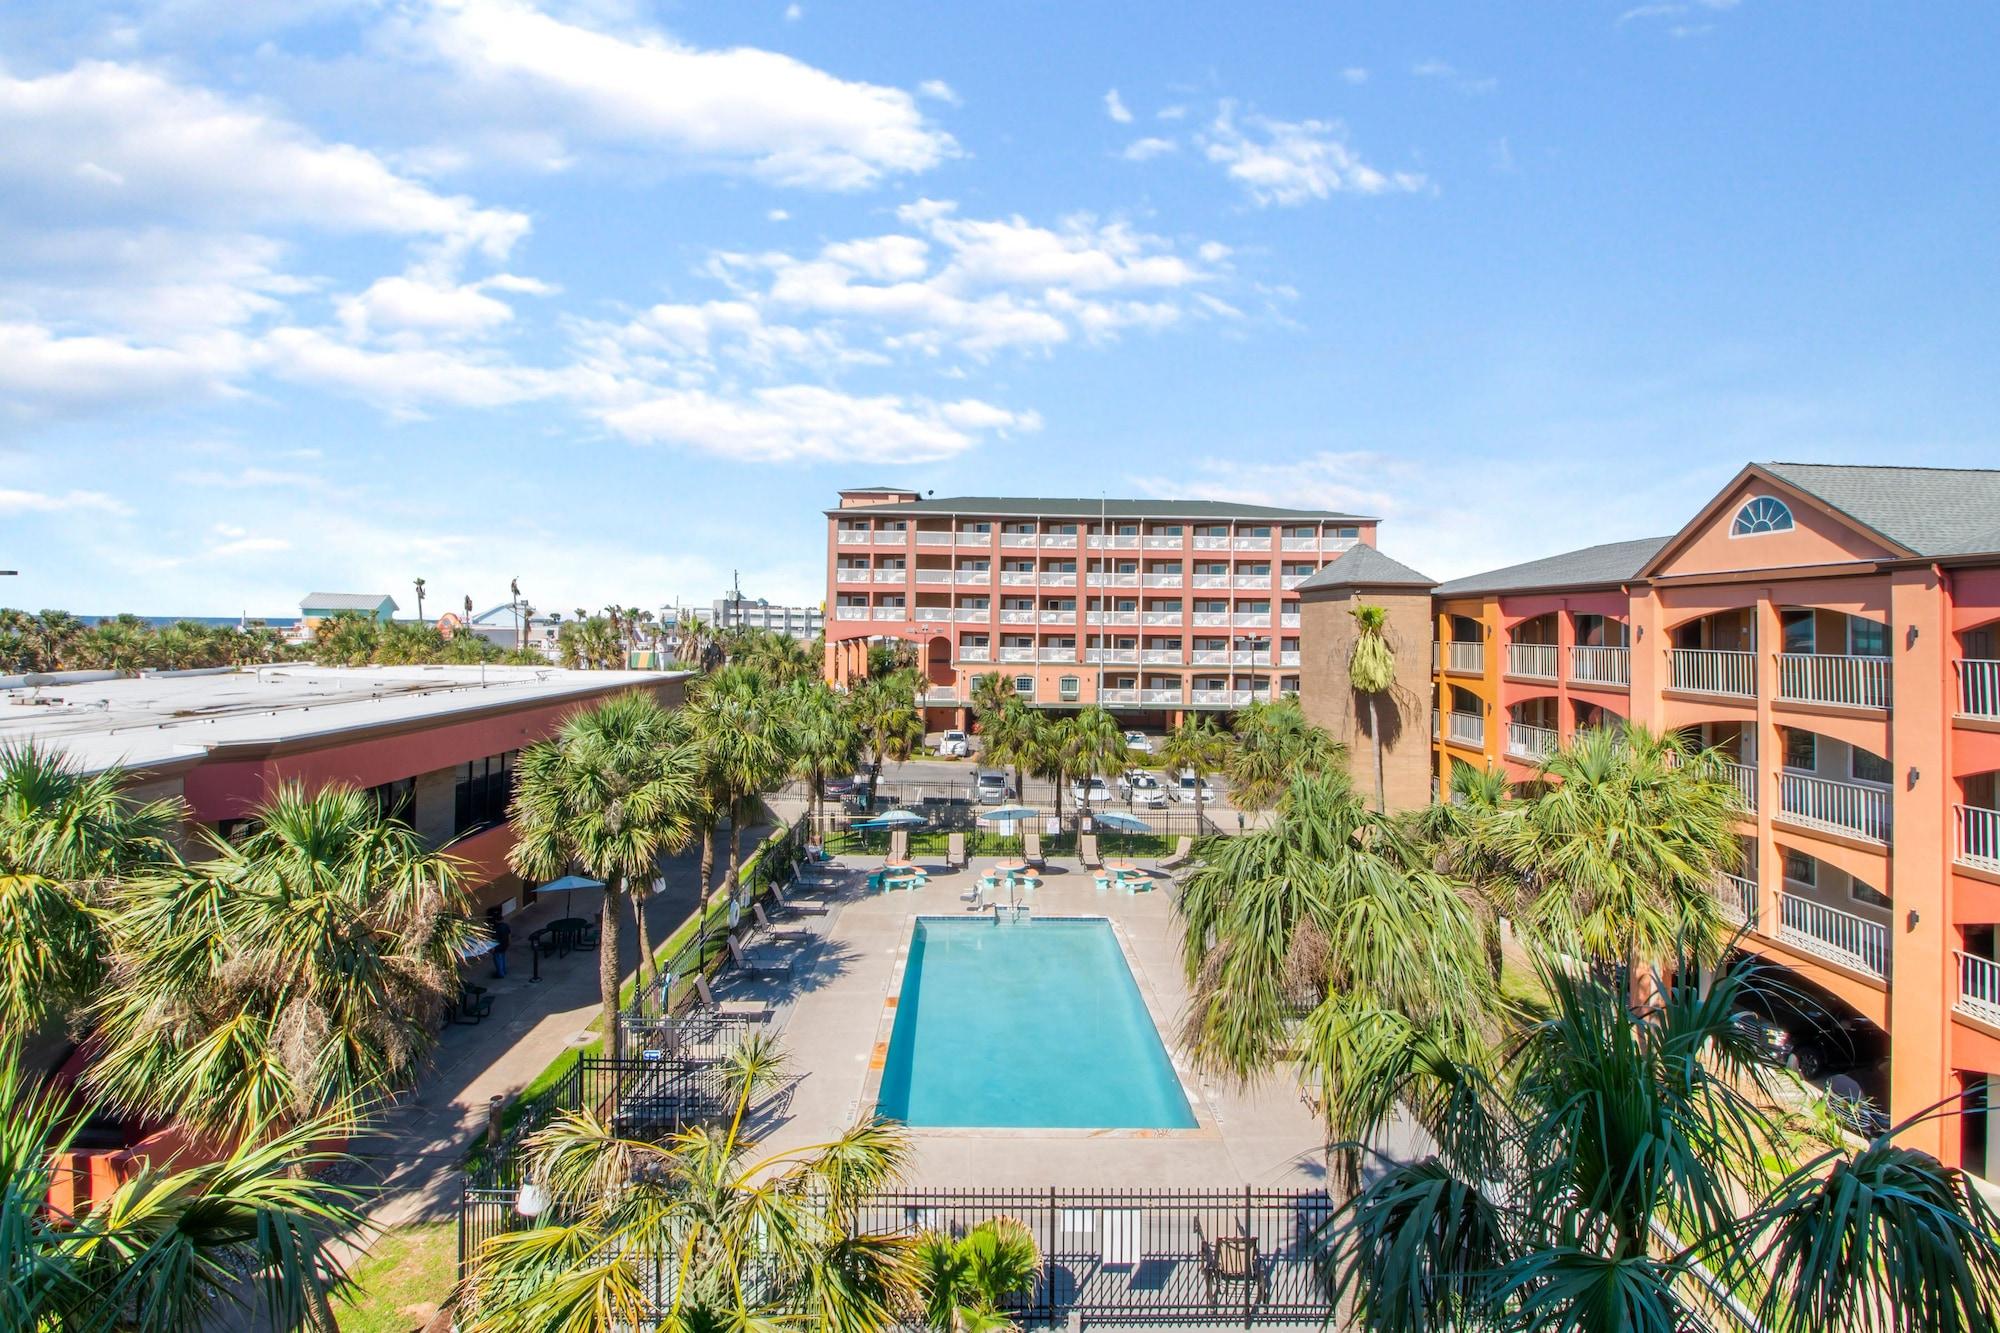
<point>892,536</point>
<point>1117,541</point>
<point>1250,657</point>
<point>1161,580</point>
<point>981,613</point>
<point>1112,656</point>
<point>1288,659</point>
<point>1160,617</point>
<point>1250,619</point>
<point>1978,842</point>
<point>1532,659</point>
<point>1118,696</point>
<point>1738,897</point>
<point>850,613</point>
<point>1437,732</point>
<point>1249,543</point>
<point>1157,696</point>
<point>1525,741</point>
<point>1211,580</point>
<point>1339,543</point>
<point>1212,698</point>
<point>1601,666</point>
<point>1011,616</point>
<point>1012,654</point>
<point>1825,678</point>
<point>1060,541</point>
<point>1288,620</point>
<point>974,538</point>
<point>934,576</point>
<point>891,613</point>
<point>1209,657</point>
<point>1058,617</point>
<point>1157,542</point>
<point>926,538</point>
<point>1211,543</point>
<point>1019,539</point>
<point>853,573</point>
<point>1057,655</point>
<point>854,537</point>
<point>1978,987</point>
<point>1057,580</point>
<point>1837,807</point>
<point>1299,543</point>
<point>1745,778</point>
<point>1017,578</point>
<point>1978,687</point>
<point>975,576</point>
<point>1467,657</point>
<point>894,574</point>
<point>941,696</point>
<point>1114,580</point>
<point>1122,618</point>
<point>1827,932</point>
<point>1211,619</point>
<point>1290,581</point>
<point>1250,580</point>
<point>1161,656</point>
<point>1713,671</point>
<point>1466,728</point>
<point>975,652</point>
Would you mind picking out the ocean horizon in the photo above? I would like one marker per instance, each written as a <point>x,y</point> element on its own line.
<point>159,622</point>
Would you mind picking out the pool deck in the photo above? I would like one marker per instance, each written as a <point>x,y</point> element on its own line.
<point>835,1009</point>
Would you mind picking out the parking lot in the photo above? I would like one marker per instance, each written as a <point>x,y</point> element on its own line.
<point>930,778</point>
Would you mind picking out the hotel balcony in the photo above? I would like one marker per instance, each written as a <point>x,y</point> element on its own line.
<point>1288,659</point>
<point>895,575</point>
<point>1059,541</point>
<point>1160,580</point>
<point>974,539</point>
<point>1017,578</point>
<point>1841,937</point>
<point>1531,743</point>
<point>1112,580</point>
<point>1117,541</point>
<point>1211,580</point>
<point>1256,582</point>
<point>1714,671</point>
<point>1170,696</point>
<point>929,538</point>
<point>892,537</point>
<point>1466,657</point>
<point>1335,545</point>
<point>1057,580</point>
<point>1209,619</point>
<point>853,537</point>
<point>1057,655</point>
<point>1250,543</point>
<point>1978,688</point>
<point>1250,657</point>
<point>1288,619</point>
<point>1111,617</point>
<point>1845,681</point>
<point>1290,581</point>
<point>1158,542</point>
<point>1738,897</point>
<point>980,577</point>
<point>1978,843</point>
<point>850,613</point>
<point>1250,619</point>
<point>1211,543</point>
<point>1161,657</point>
<point>1745,778</point>
<point>1209,657</point>
<point>934,576</point>
<point>1466,729</point>
<point>1112,656</point>
<point>941,696</point>
<point>1852,809</point>
<point>1160,617</point>
<point>1058,617</point>
<point>1601,666</point>
<point>1222,698</point>
<point>1299,543</point>
<point>1014,654</point>
<point>1978,988</point>
<point>1536,661</point>
<point>978,652</point>
<point>897,613</point>
<point>1119,696</point>
<point>981,614</point>
<point>1014,616</point>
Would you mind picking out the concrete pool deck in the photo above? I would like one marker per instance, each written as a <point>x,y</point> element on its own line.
<point>834,1013</point>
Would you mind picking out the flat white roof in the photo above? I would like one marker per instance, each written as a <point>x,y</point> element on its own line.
<point>155,720</point>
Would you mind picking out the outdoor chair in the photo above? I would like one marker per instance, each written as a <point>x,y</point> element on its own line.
<point>473,1004</point>
<point>799,906</point>
<point>1230,1260</point>
<point>796,935</point>
<point>1086,849</point>
<point>757,1011</point>
<point>1031,849</point>
<point>1118,1238</point>
<point>954,855</point>
<point>757,961</point>
<point>1183,852</point>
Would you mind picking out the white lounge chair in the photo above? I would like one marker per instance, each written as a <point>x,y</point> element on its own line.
<point>801,905</point>
<point>758,960</point>
<point>1086,849</point>
<point>1183,853</point>
<point>1031,849</point>
<point>755,1010</point>
<point>954,855</point>
<point>770,931</point>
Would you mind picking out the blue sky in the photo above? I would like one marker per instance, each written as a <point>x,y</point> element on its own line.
<point>612,295</point>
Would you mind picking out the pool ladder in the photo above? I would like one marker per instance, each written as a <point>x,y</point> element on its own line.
<point>1013,907</point>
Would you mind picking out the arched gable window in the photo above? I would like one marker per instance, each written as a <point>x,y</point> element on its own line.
<point>1764,513</point>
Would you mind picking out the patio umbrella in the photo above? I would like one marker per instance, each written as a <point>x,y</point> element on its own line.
<point>892,819</point>
<point>1008,815</point>
<point>1125,824</point>
<point>569,884</point>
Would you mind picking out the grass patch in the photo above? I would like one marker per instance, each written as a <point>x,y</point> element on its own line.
<point>408,1269</point>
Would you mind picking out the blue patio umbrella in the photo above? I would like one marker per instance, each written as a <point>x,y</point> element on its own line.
<point>570,884</point>
<point>893,819</point>
<point>1123,823</point>
<point>1007,814</point>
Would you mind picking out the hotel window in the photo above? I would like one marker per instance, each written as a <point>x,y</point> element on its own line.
<point>483,788</point>
<point>1165,530</point>
<point>1867,638</point>
<point>1868,894</point>
<point>1801,869</point>
<point>1766,513</point>
<point>1801,750</point>
<point>1346,533</point>
<point>1868,767</point>
<point>393,800</point>
<point>1069,687</point>
<point>1799,636</point>
<point>1024,686</point>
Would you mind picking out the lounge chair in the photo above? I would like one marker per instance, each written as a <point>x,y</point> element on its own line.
<point>954,852</point>
<point>1031,849</point>
<point>755,1010</point>
<point>1183,853</point>
<point>1118,1237</point>
<point>795,934</point>
<point>759,961</point>
<point>1230,1259</point>
<point>801,905</point>
<point>1086,848</point>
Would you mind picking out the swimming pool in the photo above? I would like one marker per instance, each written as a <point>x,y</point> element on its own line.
<point>1031,1024</point>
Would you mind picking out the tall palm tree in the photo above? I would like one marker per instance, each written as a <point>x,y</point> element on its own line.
<point>614,790</point>
<point>297,973</point>
<point>418,584</point>
<point>1093,742</point>
<point>65,839</point>
<point>991,693</point>
<point>1270,742</point>
<point>741,720</point>
<point>747,1240</point>
<point>886,716</point>
<point>1197,747</point>
<point>1459,832</point>
<point>824,742</point>
<point>167,1248</point>
<point>1012,737</point>
<point>1371,672</point>
<point>1618,1154</point>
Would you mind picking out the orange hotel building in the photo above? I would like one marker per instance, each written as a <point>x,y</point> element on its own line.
<point>1148,607</point>
<point>1833,629</point>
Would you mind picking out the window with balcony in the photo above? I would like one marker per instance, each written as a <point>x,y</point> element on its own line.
<point>1799,631</point>
<point>1801,869</point>
<point>1867,767</point>
<point>1762,514</point>
<point>1801,750</point>
<point>1867,638</point>
<point>1867,895</point>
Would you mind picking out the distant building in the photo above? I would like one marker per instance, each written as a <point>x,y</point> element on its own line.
<point>318,606</point>
<point>733,610</point>
<point>501,626</point>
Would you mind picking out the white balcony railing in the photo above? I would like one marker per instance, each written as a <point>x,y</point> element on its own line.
<point>1011,616</point>
<point>1290,581</point>
<point>1250,619</point>
<point>1156,542</point>
<point>934,576</point>
<point>975,652</point>
<point>1250,657</point>
<point>975,576</point>
<point>1211,543</point>
<point>1978,687</point>
<point>1210,618</point>
<point>1019,539</point>
<point>1017,578</point>
<point>1117,541</point>
<point>1059,617</point>
<point>1979,987</point>
<point>975,539</point>
<point>850,613</point>
<point>926,538</point>
<point>1288,620</point>
<point>1838,807</point>
<point>1211,580</point>
<point>1114,580</point>
<point>1058,655</point>
<point>1745,778</point>
<point>1160,617</point>
<point>1161,656</point>
<point>1209,657</point>
<point>1714,671</point>
<point>1466,728</point>
<point>1826,678</point>
<point>1532,659</point>
<point>1112,656</point>
<point>1250,580</point>
<point>1172,696</point>
<point>1118,696</point>
<point>1012,653</point>
<point>1738,896</point>
<point>1161,580</point>
<point>1300,543</point>
<point>1339,543</point>
<point>890,574</point>
<point>855,537</point>
<point>1531,742</point>
<point>1059,541</point>
<point>892,536</point>
<point>1249,543</point>
<point>853,573</point>
<point>1057,580</point>
<point>1288,659</point>
<point>1827,932</point>
<point>1600,666</point>
<point>1465,656</point>
<point>1978,842</point>
<point>891,613</point>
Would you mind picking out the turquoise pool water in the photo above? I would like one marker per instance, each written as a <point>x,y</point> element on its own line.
<point>1035,1024</point>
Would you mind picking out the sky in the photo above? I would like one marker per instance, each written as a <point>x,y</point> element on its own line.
<point>611,296</point>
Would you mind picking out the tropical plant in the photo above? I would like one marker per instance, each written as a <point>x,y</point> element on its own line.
<point>1196,747</point>
<point>886,717</point>
<point>740,721</point>
<point>618,787</point>
<point>1013,737</point>
<point>779,656</point>
<point>1624,1167</point>
<point>1371,672</point>
<point>65,839</point>
<point>1459,831</point>
<point>346,638</point>
<point>824,742</point>
<point>168,1248</point>
<point>1271,742</point>
<point>418,584</point>
<point>992,692</point>
<point>722,1235</point>
<point>298,973</point>
<point>967,1280</point>
<point>1092,742</point>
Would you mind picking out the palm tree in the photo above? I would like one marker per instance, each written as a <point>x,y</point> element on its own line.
<point>1092,743</point>
<point>886,717</point>
<point>966,1280</point>
<point>65,839</point>
<point>418,584</point>
<point>617,788</point>
<point>296,974</point>
<point>824,740</point>
<point>1271,742</point>
<point>1196,747</point>
<point>1459,832</point>
<point>991,693</point>
<point>1012,737</point>
<point>740,718</point>
<point>1621,1156</point>
<point>723,1235</point>
<point>1371,673</point>
<point>165,1249</point>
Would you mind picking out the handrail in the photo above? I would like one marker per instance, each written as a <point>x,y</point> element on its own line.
<point>1839,807</point>
<point>1848,681</point>
<point>1830,933</point>
<point>1713,671</point>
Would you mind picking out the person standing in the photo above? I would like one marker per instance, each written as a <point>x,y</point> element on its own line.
<point>503,935</point>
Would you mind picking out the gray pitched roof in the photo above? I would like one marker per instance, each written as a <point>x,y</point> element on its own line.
<point>1364,566</point>
<point>1009,506</point>
<point>346,601</point>
<point>1614,562</point>
<point>1933,511</point>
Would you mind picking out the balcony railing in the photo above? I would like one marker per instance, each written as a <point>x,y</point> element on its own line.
<point>1288,620</point>
<point>1020,539</point>
<point>1838,807</point>
<point>975,653</point>
<point>1117,541</point>
<point>1827,932</point>
<point>1532,743</point>
<point>1057,580</point>
<point>975,538</point>
<point>934,576</point>
<point>1601,666</point>
<point>1337,544</point>
<point>1011,616</point>
<point>1978,837</point>
<point>1978,687</point>
<point>1250,619</point>
<point>975,576</point>
<point>1738,897</point>
<point>1466,728</point>
<point>1532,659</point>
<point>1211,618</point>
<point>891,536</point>
<point>1467,657</point>
<point>1714,671</point>
<point>1161,580</point>
<point>1288,659</point>
<point>1017,578</point>
<point>1160,617</point>
<point>850,613</point>
<point>891,613</point>
<point>1211,543</point>
<point>1745,778</point>
<point>1172,696</point>
<point>1118,696</point>
<point>927,538</point>
<point>1011,654</point>
<point>1211,580</point>
<point>1979,987</point>
<point>1290,581</point>
<point>1113,580</point>
<point>890,574</point>
<point>1161,656</point>
<point>1826,678</point>
<point>1250,657</point>
<point>1061,541</point>
<point>1300,543</point>
<point>1157,542</point>
<point>1058,617</point>
<point>1250,543</point>
<point>854,537</point>
<point>1112,656</point>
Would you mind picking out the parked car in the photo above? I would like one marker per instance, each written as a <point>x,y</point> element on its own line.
<point>954,745</point>
<point>992,787</point>
<point>1184,790</point>
<point>1142,789</point>
<point>1771,1041</point>
<point>1138,740</point>
<point>1095,791</point>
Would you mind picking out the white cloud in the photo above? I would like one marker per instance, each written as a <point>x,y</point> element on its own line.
<point>793,13</point>
<point>1114,107</point>
<point>67,502</point>
<point>1354,74</point>
<point>807,422</point>
<point>157,148</point>
<point>778,215</point>
<point>45,373</point>
<point>1291,162</point>
<point>1445,72</point>
<point>939,91</point>
<point>421,304</point>
<point>779,118</point>
<point>1145,150</point>
<point>403,379</point>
